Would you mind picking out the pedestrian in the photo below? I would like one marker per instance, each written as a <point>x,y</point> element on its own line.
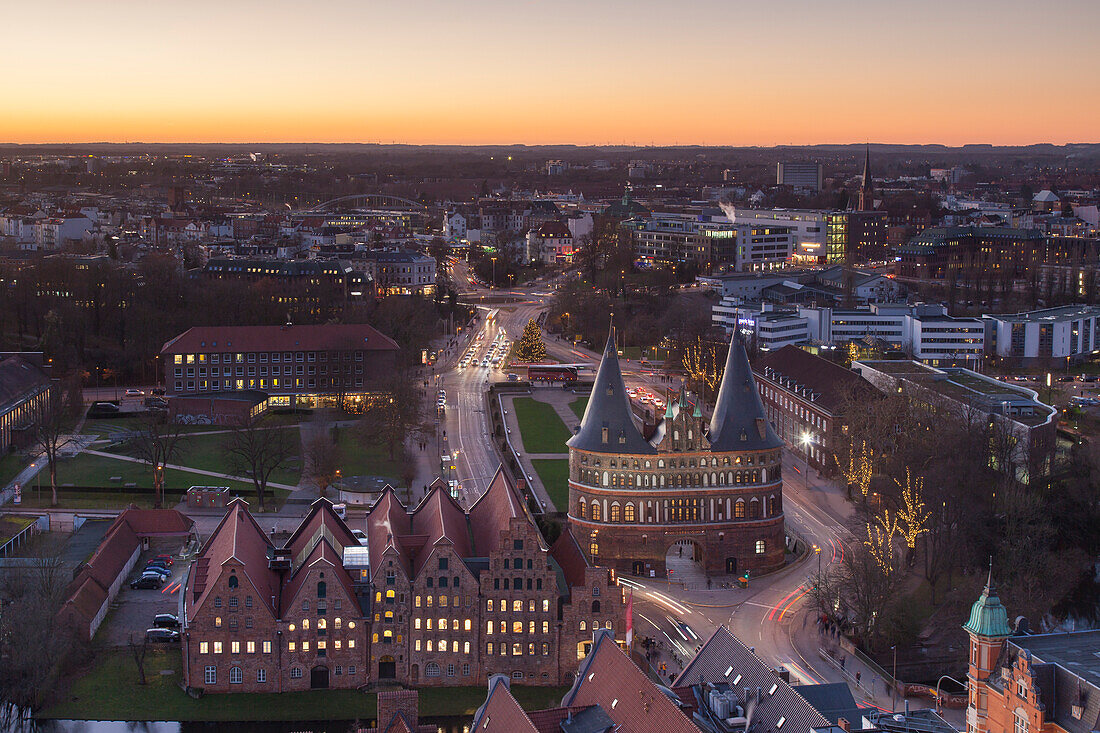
<point>858,675</point>
<point>843,659</point>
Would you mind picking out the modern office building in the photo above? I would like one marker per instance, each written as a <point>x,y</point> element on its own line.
<point>1053,336</point>
<point>862,232</point>
<point>802,176</point>
<point>709,241</point>
<point>970,254</point>
<point>808,228</point>
<point>1029,423</point>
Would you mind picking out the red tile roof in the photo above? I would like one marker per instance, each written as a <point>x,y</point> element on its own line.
<point>439,518</point>
<point>237,540</point>
<point>326,337</point>
<point>493,511</point>
<point>830,380</point>
<point>501,713</point>
<point>609,679</point>
<point>568,554</point>
<point>158,522</point>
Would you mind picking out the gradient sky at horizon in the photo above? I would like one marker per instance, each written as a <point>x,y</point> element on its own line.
<point>713,72</point>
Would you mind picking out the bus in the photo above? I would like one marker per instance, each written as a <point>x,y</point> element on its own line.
<point>553,373</point>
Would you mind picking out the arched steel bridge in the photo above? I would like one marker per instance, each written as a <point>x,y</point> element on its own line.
<point>372,201</point>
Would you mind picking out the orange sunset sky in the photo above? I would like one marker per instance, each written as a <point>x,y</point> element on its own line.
<point>603,71</point>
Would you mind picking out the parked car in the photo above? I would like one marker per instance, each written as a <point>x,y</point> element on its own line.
<point>341,510</point>
<point>167,559</point>
<point>103,409</point>
<point>156,403</point>
<point>360,535</point>
<point>159,391</point>
<point>166,621</point>
<point>133,392</point>
<point>162,573</point>
<point>145,582</point>
<point>157,563</point>
<point>162,636</point>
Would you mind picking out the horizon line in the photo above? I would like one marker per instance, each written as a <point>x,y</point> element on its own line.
<point>555,144</point>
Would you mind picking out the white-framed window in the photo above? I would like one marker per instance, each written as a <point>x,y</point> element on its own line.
<point>261,675</point>
<point>1020,722</point>
<point>236,677</point>
<point>210,675</point>
<point>760,547</point>
<point>295,673</point>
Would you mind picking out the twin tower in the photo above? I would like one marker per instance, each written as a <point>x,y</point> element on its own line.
<point>712,491</point>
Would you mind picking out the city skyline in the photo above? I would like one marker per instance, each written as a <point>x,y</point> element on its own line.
<point>612,73</point>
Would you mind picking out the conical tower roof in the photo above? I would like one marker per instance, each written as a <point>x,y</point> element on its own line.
<point>988,616</point>
<point>739,422</point>
<point>609,407</point>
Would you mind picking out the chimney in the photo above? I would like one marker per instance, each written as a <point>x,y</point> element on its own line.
<point>844,725</point>
<point>392,702</point>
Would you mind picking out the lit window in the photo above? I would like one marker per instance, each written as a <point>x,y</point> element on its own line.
<point>250,647</point>
<point>291,646</point>
<point>305,646</point>
<point>267,647</point>
<point>234,647</point>
<point>351,643</point>
<point>217,622</point>
<point>204,647</point>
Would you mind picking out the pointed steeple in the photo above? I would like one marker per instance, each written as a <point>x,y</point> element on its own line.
<point>867,185</point>
<point>608,423</point>
<point>739,422</point>
<point>988,616</point>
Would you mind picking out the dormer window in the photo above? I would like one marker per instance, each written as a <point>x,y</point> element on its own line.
<point>603,435</point>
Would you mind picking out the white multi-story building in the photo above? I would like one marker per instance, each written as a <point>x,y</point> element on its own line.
<point>1066,334</point>
<point>551,243</point>
<point>807,227</point>
<point>925,331</point>
<point>711,241</point>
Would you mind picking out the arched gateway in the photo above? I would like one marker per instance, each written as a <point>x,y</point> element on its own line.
<point>715,485</point>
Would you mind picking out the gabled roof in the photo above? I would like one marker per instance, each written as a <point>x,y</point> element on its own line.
<point>723,658</point>
<point>501,713</point>
<point>739,422</point>
<point>609,409</point>
<point>609,679</point>
<point>320,521</point>
<point>493,511</point>
<point>567,552</point>
<point>237,541</point>
<point>387,522</point>
<point>323,337</point>
<point>440,519</point>
<point>324,557</point>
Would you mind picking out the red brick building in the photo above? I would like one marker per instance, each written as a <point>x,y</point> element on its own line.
<point>805,397</point>
<point>297,366</point>
<point>437,596</point>
<point>260,618</point>
<point>458,596</point>
<point>714,489</point>
<point>1023,683</point>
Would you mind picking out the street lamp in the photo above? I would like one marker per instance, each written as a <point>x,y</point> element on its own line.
<point>894,686</point>
<point>493,284</point>
<point>807,439</point>
<point>941,679</point>
<point>817,551</point>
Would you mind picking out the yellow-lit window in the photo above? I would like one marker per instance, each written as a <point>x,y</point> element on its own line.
<point>378,597</point>
<point>204,647</point>
<point>454,647</point>
<point>416,645</point>
<point>291,646</point>
<point>517,627</point>
<point>530,627</point>
<point>517,606</point>
<point>250,647</point>
<point>488,627</point>
<point>442,624</point>
<point>336,643</point>
<point>429,601</point>
<point>217,647</point>
<point>416,624</point>
<point>321,623</point>
<point>305,624</point>
<point>351,624</point>
<point>430,621</point>
<point>336,623</point>
<point>351,643</point>
<point>546,627</point>
<point>465,647</point>
<point>466,625</point>
<point>490,604</point>
<point>234,647</point>
<point>305,646</point>
<point>292,627</point>
<point>443,601</point>
<point>218,622</point>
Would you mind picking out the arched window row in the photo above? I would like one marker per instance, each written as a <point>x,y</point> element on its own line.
<point>679,510</point>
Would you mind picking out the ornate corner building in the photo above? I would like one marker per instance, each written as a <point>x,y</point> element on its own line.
<point>714,488</point>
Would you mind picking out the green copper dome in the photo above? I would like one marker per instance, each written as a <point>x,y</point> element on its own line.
<point>987,616</point>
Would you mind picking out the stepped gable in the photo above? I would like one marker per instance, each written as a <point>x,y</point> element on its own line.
<point>387,524</point>
<point>739,422</point>
<point>236,540</point>
<point>609,408</point>
<point>439,518</point>
<point>493,511</point>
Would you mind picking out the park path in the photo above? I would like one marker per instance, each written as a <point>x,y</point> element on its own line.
<point>188,469</point>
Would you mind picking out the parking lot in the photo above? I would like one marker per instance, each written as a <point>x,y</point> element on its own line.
<point>133,610</point>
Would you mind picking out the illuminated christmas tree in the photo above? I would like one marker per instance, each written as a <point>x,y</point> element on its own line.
<point>530,348</point>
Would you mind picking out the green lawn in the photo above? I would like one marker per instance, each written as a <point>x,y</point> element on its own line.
<point>542,429</point>
<point>578,406</point>
<point>207,453</point>
<point>10,466</point>
<point>89,470</point>
<point>109,691</point>
<point>12,524</point>
<point>365,459</point>
<point>554,474</point>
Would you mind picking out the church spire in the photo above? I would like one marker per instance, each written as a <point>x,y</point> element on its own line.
<point>608,422</point>
<point>867,185</point>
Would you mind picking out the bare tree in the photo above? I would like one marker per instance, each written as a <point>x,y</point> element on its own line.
<point>52,434</point>
<point>157,443</point>
<point>395,415</point>
<point>35,644</point>
<point>322,459</point>
<point>257,447</point>
<point>139,650</point>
